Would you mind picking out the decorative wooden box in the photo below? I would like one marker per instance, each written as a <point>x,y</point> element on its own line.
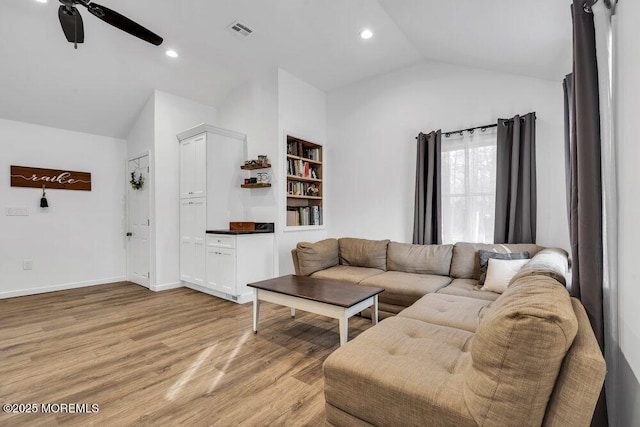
<point>242,226</point>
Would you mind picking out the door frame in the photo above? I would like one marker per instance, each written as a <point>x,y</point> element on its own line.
<point>127,204</point>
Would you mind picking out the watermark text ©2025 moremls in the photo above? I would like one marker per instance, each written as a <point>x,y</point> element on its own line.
<point>51,408</point>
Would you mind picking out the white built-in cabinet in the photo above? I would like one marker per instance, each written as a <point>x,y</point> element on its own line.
<point>210,197</point>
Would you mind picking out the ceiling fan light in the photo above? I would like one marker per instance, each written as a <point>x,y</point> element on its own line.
<point>171,53</point>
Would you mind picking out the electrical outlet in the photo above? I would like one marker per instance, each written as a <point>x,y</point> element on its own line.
<point>18,211</point>
<point>27,264</point>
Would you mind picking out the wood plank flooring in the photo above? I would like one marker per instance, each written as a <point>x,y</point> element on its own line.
<point>176,357</point>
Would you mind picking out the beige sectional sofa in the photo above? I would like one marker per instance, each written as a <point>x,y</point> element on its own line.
<point>453,354</point>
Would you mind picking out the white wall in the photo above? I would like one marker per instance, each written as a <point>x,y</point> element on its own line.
<point>141,137</point>
<point>80,239</point>
<point>372,127</point>
<point>628,105</point>
<point>252,108</point>
<point>264,109</point>
<point>302,113</point>
<point>172,115</point>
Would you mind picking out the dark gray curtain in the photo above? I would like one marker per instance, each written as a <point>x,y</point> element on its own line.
<point>585,186</point>
<point>427,227</point>
<point>569,117</point>
<point>516,201</point>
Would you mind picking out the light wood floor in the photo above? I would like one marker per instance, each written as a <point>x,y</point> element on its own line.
<point>176,357</point>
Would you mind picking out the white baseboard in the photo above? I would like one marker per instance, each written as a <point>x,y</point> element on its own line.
<point>62,287</point>
<point>166,286</point>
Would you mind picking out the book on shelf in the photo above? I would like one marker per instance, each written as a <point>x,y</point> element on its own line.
<point>302,169</point>
<point>292,218</point>
<point>304,215</point>
<point>296,148</point>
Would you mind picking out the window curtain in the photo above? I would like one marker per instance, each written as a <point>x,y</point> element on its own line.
<point>516,201</point>
<point>468,186</point>
<point>427,227</point>
<point>585,190</point>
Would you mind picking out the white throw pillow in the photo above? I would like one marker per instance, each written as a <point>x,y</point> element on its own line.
<point>500,272</point>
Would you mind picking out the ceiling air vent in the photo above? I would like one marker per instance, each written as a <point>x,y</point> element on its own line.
<point>239,30</point>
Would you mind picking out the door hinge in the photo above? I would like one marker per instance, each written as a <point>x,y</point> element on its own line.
<point>148,221</point>
<point>147,169</point>
<point>148,274</point>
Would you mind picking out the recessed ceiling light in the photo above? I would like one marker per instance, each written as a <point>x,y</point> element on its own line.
<point>41,1</point>
<point>172,53</point>
<point>366,34</point>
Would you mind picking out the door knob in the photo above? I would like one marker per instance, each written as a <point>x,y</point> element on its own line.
<point>129,234</point>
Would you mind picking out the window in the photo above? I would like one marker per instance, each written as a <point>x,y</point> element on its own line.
<point>469,186</point>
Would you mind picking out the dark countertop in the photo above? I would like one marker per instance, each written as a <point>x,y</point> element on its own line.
<point>233,232</point>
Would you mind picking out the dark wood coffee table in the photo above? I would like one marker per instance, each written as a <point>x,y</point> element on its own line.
<point>331,298</point>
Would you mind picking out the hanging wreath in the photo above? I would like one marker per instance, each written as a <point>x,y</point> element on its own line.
<point>136,184</point>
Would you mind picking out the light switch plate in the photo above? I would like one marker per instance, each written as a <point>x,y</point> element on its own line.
<point>18,211</point>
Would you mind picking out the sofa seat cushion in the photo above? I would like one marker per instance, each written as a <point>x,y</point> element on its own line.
<point>405,288</point>
<point>465,263</point>
<point>363,252</point>
<point>468,288</point>
<point>448,310</point>
<point>517,352</point>
<point>401,372</point>
<point>421,259</point>
<point>347,273</point>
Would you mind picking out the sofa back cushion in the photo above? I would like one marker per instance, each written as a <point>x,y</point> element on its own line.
<point>363,253</point>
<point>419,259</point>
<point>517,352</point>
<point>317,256</point>
<point>466,265</point>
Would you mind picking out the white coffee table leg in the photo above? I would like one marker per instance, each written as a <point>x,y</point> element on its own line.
<point>256,310</point>
<point>374,315</point>
<point>293,312</point>
<point>344,329</point>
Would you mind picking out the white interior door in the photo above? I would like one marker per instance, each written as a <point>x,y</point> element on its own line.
<point>138,223</point>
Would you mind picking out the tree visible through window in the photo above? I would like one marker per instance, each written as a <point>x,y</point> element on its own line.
<point>468,186</point>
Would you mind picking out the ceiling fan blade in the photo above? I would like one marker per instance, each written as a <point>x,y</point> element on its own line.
<point>72,25</point>
<point>125,24</point>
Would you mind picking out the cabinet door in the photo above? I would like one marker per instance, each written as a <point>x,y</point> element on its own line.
<point>193,225</point>
<point>227,275</point>
<point>193,167</point>
<point>221,269</point>
<point>187,174</point>
<point>187,248</point>
<point>199,188</point>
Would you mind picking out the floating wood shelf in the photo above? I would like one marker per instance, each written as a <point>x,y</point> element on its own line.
<point>253,167</point>
<point>256,185</point>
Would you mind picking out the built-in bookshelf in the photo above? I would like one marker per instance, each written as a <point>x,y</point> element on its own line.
<point>304,183</point>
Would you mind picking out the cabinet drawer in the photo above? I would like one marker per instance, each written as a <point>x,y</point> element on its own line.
<point>221,240</point>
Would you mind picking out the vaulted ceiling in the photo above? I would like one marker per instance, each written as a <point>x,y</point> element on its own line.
<point>101,87</point>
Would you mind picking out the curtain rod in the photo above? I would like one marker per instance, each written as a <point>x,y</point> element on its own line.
<point>483,128</point>
<point>588,4</point>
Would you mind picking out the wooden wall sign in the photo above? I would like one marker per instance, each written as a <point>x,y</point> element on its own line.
<point>23,176</point>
